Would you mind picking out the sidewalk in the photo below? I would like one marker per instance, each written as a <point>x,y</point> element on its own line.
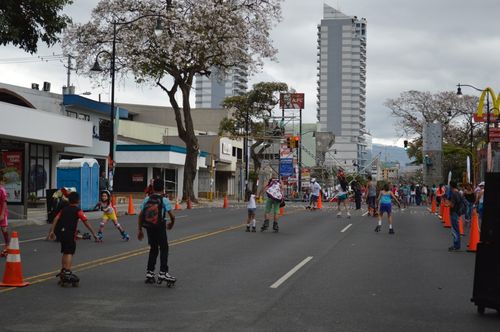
<point>38,216</point>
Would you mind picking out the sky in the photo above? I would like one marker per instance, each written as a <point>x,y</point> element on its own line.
<point>426,45</point>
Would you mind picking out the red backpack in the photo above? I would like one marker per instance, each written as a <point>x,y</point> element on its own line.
<point>152,212</point>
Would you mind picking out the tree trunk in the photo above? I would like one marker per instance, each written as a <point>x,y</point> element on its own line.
<point>190,170</point>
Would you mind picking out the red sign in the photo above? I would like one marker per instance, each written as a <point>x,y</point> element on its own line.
<point>13,174</point>
<point>494,134</point>
<point>292,101</point>
<point>493,118</point>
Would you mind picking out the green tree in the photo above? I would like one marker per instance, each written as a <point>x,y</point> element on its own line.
<point>255,109</point>
<point>24,22</point>
<point>197,37</point>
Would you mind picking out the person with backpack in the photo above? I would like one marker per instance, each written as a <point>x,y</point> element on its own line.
<point>458,207</point>
<point>274,193</point>
<point>152,217</point>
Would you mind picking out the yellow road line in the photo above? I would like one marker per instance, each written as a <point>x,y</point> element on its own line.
<point>119,257</point>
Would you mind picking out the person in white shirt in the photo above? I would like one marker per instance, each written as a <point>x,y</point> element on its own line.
<point>315,192</point>
<point>251,207</point>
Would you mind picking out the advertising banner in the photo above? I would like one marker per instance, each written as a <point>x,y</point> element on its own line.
<point>286,167</point>
<point>292,101</point>
<point>13,174</point>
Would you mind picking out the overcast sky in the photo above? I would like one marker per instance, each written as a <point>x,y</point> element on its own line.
<point>427,45</point>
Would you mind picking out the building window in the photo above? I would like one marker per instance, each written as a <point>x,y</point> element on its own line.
<point>84,117</point>
<point>72,114</point>
<point>40,171</point>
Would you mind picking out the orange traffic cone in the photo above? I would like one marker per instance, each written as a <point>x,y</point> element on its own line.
<point>320,201</point>
<point>225,205</point>
<point>131,209</point>
<point>189,204</point>
<point>282,211</point>
<point>461,226</point>
<point>474,233</point>
<point>13,274</point>
<point>433,206</point>
<point>177,206</point>
<point>446,217</point>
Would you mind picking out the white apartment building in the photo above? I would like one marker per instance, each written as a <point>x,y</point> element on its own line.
<point>342,86</point>
<point>211,91</point>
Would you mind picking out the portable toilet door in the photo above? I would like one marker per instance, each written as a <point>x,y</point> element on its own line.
<point>94,184</point>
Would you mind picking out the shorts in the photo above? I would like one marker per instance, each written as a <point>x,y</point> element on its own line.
<point>314,198</point>
<point>384,207</point>
<point>272,205</point>
<point>251,212</point>
<point>371,201</point>
<point>68,247</point>
<point>342,197</point>
<point>109,216</point>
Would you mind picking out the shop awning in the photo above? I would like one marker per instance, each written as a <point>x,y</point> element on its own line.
<point>31,125</point>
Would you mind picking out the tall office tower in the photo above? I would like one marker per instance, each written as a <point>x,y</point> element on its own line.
<point>342,87</point>
<point>211,91</point>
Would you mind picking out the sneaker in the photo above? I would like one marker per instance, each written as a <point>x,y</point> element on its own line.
<point>452,248</point>
<point>164,276</point>
<point>391,230</point>
<point>378,228</point>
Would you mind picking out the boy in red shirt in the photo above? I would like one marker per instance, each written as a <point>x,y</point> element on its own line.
<point>65,224</point>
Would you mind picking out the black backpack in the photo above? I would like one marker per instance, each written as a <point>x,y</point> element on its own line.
<point>152,212</point>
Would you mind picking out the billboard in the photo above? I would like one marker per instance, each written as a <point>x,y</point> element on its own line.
<point>292,101</point>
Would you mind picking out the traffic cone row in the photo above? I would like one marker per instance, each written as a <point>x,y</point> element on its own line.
<point>446,217</point>
<point>225,204</point>
<point>13,274</point>
<point>177,205</point>
<point>433,205</point>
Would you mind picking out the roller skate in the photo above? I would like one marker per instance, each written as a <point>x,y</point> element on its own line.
<point>150,277</point>
<point>254,229</point>
<point>66,277</point>
<point>339,215</point>
<point>348,215</point>
<point>169,279</point>
<point>125,236</point>
<point>248,228</point>
<point>265,225</point>
<point>378,228</point>
<point>391,230</point>
<point>276,228</point>
<point>100,236</point>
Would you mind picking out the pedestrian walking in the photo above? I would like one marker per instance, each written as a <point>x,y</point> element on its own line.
<point>64,228</point>
<point>479,202</point>
<point>152,217</point>
<point>470,198</point>
<point>457,208</point>
<point>274,193</point>
<point>356,187</point>
<point>103,182</point>
<point>315,192</point>
<point>385,198</point>
<point>371,190</point>
<point>149,189</point>
<point>251,208</point>
<point>4,213</point>
<point>108,213</point>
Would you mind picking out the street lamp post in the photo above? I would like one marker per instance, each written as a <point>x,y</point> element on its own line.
<point>97,68</point>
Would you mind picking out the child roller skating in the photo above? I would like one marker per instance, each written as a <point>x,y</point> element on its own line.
<point>109,213</point>
<point>343,194</point>
<point>66,222</point>
<point>251,207</point>
<point>152,217</point>
<point>385,198</point>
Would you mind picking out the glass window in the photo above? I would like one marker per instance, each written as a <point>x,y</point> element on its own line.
<point>84,117</point>
<point>72,114</point>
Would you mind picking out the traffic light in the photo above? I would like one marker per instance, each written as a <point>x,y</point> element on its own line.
<point>405,144</point>
<point>296,140</point>
<point>289,142</point>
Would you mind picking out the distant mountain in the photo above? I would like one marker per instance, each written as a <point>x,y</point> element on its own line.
<point>391,153</point>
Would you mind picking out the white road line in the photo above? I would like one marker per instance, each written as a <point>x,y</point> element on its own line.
<point>291,272</point>
<point>364,214</point>
<point>346,228</point>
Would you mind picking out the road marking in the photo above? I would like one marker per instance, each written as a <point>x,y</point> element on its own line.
<point>346,228</point>
<point>364,214</point>
<point>291,272</point>
<point>122,256</point>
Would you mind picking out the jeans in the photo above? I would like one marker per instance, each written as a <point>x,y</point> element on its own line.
<point>455,231</point>
<point>157,239</point>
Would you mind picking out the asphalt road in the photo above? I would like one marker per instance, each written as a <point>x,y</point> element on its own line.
<point>319,273</point>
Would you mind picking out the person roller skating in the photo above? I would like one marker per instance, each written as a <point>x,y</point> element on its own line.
<point>274,192</point>
<point>251,207</point>
<point>342,194</point>
<point>154,209</point>
<point>67,219</point>
<point>385,198</point>
<point>109,213</point>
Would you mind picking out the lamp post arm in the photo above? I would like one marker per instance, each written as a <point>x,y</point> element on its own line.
<point>470,86</point>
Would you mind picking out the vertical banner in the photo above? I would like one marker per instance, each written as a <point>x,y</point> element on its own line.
<point>13,174</point>
<point>468,170</point>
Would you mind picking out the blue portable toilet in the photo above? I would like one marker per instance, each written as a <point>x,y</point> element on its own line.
<point>82,174</point>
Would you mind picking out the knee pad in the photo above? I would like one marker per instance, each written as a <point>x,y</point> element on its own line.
<point>118,225</point>
<point>102,223</point>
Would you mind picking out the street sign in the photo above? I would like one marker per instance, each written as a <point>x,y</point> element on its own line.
<point>286,167</point>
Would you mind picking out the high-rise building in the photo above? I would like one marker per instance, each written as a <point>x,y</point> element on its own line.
<point>342,86</point>
<point>211,91</point>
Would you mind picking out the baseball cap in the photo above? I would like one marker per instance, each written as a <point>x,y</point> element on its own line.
<point>481,184</point>
<point>313,180</point>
